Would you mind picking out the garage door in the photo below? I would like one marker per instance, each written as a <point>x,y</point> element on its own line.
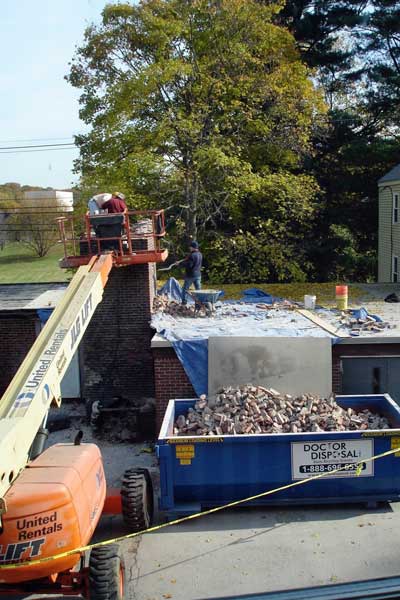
<point>370,375</point>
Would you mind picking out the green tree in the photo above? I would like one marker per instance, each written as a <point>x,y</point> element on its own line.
<point>317,26</point>
<point>354,47</point>
<point>193,104</point>
<point>379,42</point>
<point>270,234</point>
<point>35,228</point>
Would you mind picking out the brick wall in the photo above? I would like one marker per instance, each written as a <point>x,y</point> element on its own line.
<point>171,380</point>
<point>17,334</point>
<point>340,350</point>
<point>116,353</point>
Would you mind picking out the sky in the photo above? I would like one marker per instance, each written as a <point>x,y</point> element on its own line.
<point>37,106</point>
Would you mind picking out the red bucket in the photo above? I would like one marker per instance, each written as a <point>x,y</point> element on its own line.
<point>342,297</point>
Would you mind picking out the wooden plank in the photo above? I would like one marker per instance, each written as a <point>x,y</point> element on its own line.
<point>321,323</point>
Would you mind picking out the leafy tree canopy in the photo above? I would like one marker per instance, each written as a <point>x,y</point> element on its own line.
<point>209,108</point>
<point>196,105</point>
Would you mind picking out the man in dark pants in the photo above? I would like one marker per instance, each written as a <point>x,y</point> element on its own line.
<point>192,266</point>
<point>111,225</point>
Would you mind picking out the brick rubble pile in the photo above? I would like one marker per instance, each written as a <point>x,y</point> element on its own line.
<point>167,306</point>
<point>255,409</point>
<point>362,325</point>
<point>277,305</point>
<point>171,307</point>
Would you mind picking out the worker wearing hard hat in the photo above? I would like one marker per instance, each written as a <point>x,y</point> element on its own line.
<point>192,264</point>
<point>116,204</point>
<point>95,204</point>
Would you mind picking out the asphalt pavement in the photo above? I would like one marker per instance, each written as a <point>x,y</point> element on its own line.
<point>257,550</point>
<point>248,550</point>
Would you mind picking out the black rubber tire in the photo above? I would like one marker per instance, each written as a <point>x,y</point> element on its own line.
<point>107,573</point>
<point>137,499</point>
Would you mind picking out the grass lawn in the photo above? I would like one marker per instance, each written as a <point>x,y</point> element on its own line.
<point>19,264</point>
<point>325,292</point>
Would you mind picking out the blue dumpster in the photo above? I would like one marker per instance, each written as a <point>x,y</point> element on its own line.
<point>205,471</point>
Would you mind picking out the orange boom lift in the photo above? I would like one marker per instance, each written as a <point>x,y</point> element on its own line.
<point>51,500</point>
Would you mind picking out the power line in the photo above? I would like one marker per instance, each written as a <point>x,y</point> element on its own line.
<point>35,146</point>
<point>36,150</point>
<point>50,139</point>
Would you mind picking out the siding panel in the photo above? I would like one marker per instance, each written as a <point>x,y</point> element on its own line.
<point>385,230</point>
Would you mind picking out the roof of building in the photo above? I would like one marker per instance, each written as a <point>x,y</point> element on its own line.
<point>392,175</point>
<point>252,321</point>
<point>30,296</point>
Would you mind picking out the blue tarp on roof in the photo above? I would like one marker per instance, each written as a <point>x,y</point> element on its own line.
<point>193,355</point>
<point>172,288</point>
<point>362,313</point>
<point>189,336</point>
<point>258,295</point>
<point>44,314</point>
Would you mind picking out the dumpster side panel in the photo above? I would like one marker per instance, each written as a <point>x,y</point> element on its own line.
<point>211,470</point>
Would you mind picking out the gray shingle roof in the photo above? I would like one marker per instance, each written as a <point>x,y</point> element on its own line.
<point>30,296</point>
<point>392,175</point>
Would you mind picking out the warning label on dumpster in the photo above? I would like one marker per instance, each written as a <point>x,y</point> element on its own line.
<point>315,458</point>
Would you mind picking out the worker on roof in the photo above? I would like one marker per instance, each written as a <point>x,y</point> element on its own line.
<point>192,264</point>
<point>95,204</point>
<point>109,227</point>
<point>116,204</point>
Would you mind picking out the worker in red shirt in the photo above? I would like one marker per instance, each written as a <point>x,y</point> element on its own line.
<point>114,229</point>
<point>116,204</point>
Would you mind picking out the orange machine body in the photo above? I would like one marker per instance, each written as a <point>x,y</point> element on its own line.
<point>53,506</point>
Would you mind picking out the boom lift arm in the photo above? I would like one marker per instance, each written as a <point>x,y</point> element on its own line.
<point>36,384</point>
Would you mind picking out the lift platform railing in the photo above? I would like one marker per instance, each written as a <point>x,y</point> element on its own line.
<point>140,235</point>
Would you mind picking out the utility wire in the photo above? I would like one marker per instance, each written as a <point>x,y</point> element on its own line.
<point>50,139</point>
<point>35,146</point>
<point>36,150</point>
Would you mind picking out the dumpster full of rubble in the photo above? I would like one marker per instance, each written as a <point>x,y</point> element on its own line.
<point>248,440</point>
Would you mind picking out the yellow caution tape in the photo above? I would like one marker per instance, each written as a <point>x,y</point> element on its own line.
<point>121,538</point>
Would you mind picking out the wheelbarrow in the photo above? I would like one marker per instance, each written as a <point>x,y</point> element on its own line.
<point>205,300</point>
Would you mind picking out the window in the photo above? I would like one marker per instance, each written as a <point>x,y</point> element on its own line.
<point>395,208</point>
<point>395,273</point>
